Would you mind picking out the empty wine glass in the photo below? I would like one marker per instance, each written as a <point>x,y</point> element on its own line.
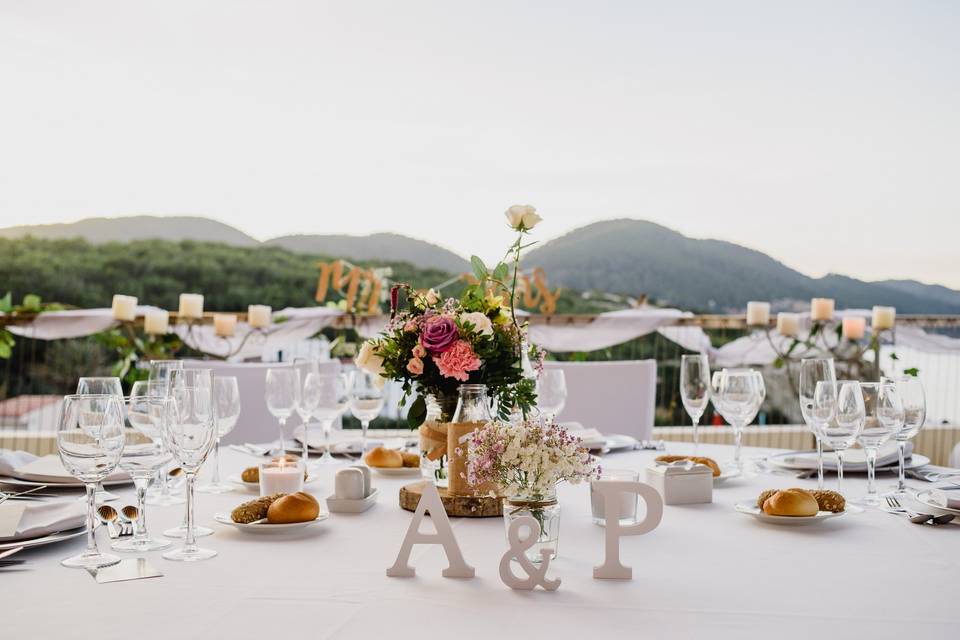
<point>143,454</point>
<point>309,399</point>
<point>812,371</point>
<point>190,435</point>
<point>226,406</point>
<point>90,439</point>
<point>883,417</point>
<point>143,421</point>
<point>333,399</point>
<point>695,389</point>
<point>551,393</point>
<point>843,401</point>
<point>161,370</point>
<point>741,393</point>
<point>914,414</point>
<point>366,400</point>
<point>109,385</point>
<point>159,380</point>
<point>282,395</point>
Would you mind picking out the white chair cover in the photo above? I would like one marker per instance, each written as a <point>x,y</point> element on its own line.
<point>612,397</point>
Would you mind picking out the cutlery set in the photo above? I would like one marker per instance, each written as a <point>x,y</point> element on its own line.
<point>119,523</point>
<point>895,508</point>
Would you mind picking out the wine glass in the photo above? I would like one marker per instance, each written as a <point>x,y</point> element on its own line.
<point>109,385</point>
<point>159,378</point>
<point>190,434</point>
<point>144,454</point>
<point>914,414</point>
<point>741,393</point>
<point>843,401</point>
<point>141,393</point>
<point>812,371</point>
<point>695,389</point>
<point>334,398</point>
<point>282,394</point>
<point>226,406</point>
<point>161,370</point>
<point>883,418</point>
<point>551,393</point>
<point>90,439</point>
<point>366,400</point>
<point>309,400</point>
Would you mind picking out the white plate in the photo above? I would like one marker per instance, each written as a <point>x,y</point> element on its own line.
<point>612,442</point>
<point>807,461</point>
<point>726,474</point>
<point>398,472</point>
<point>42,540</point>
<point>752,509</point>
<point>263,527</point>
<point>338,505</point>
<point>255,486</point>
<point>17,482</point>
<point>937,500</point>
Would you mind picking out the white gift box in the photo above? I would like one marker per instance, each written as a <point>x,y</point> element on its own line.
<point>682,482</point>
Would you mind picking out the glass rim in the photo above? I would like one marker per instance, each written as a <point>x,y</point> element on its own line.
<point>90,396</point>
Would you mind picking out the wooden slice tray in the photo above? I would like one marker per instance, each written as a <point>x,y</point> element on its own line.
<point>459,506</point>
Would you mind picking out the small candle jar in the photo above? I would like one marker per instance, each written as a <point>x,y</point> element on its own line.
<point>854,328</point>
<point>628,505</point>
<point>281,476</point>
<point>258,316</point>
<point>124,307</point>
<point>224,324</point>
<point>883,318</point>
<point>758,314</point>
<point>191,306</point>
<point>156,322</point>
<point>821,309</point>
<point>788,324</point>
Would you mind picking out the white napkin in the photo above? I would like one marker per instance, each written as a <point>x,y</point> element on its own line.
<point>26,466</point>
<point>853,459</point>
<point>10,460</point>
<point>590,438</point>
<point>43,518</point>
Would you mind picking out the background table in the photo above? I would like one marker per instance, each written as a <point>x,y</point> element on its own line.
<point>706,571</point>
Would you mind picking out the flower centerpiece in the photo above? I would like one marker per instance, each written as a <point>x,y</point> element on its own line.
<point>434,345</point>
<point>525,461</point>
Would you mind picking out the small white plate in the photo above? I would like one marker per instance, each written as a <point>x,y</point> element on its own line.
<point>262,526</point>
<point>807,461</point>
<point>398,472</point>
<point>18,482</point>
<point>726,474</point>
<point>611,442</point>
<point>937,500</point>
<point>752,509</point>
<point>338,505</point>
<point>255,486</point>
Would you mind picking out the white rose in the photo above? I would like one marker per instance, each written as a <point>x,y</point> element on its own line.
<point>522,217</point>
<point>368,360</point>
<point>481,323</point>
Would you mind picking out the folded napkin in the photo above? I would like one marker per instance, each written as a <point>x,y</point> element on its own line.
<point>853,459</point>
<point>10,460</point>
<point>948,499</point>
<point>26,466</point>
<point>590,438</point>
<point>44,518</point>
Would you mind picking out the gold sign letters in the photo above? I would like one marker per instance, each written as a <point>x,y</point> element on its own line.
<point>333,277</point>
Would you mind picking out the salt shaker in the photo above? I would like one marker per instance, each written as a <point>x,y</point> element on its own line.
<point>682,482</point>
<point>348,484</point>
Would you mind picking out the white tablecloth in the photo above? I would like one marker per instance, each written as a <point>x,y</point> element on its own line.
<point>707,571</point>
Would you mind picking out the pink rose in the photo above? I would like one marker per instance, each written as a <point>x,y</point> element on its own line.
<point>415,366</point>
<point>419,351</point>
<point>457,361</point>
<point>410,327</point>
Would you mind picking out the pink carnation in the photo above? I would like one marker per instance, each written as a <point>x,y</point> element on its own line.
<point>419,351</point>
<point>415,366</point>
<point>410,326</point>
<point>457,361</point>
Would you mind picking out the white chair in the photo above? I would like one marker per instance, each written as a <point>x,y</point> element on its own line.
<point>256,424</point>
<point>612,397</point>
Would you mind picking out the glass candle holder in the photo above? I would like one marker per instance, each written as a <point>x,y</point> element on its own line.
<point>628,506</point>
<point>281,475</point>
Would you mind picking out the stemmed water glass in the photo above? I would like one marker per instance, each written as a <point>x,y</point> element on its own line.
<point>366,400</point>
<point>226,407</point>
<point>90,439</point>
<point>307,407</point>
<point>109,385</point>
<point>282,395</point>
<point>551,393</point>
<point>840,414</point>
<point>812,371</point>
<point>695,389</point>
<point>158,383</point>
<point>143,454</point>
<point>914,414</point>
<point>741,393</point>
<point>333,399</point>
<point>191,433</point>
<point>883,418</point>
<point>144,397</point>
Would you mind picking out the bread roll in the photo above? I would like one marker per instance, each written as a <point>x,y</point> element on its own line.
<point>410,459</point>
<point>254,509</point>
<point>710,462</point>
<point>829,500</point>
<point>296,507</point>
<point>384,458</point>
<point>250,474</point>
<point>791,502</point>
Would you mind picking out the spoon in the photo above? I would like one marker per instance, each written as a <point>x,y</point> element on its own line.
<point>129,515</point>
<point>176,472</point>
<point>108,516</point>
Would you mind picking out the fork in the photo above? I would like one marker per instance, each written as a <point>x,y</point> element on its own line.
<point>916,518</point>
<point>7,496</point>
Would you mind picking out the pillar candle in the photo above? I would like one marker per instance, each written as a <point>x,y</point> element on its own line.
<point>124,307</point>
<point>258,315</point>
<point>156,321</point>
<point>281,476</point>
<point>854,328</point>
<point>758,313</point>
<point>821,309</point>
<point>224,324</point>
<point>191,305</point>
<point>883,318</point>
<point>788,324</point>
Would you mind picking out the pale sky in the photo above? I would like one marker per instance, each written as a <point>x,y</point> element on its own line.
<point>826,134</point>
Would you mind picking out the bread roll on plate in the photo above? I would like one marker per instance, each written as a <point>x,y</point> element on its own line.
<point>296,507</point>
<point>384,458</point>
<point>791,502</point>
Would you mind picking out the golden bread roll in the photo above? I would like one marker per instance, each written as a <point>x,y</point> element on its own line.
<point>250,474</point>
<point>829,500</point>
<point>763,496</point>
<point>296,507</point>
<point>710,462</point>
<point>254,509</point>
<point>791,502</point>
<point>410,459</point>
<point>384,458</point>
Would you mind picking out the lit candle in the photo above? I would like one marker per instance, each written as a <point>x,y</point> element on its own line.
<point>156,321</point>
<point>191,305</point>
<point>758,313</point>
<point>884,318</point>
<point>224,324</point>
<point>281,476</point>
<point>854,328</point>
<point>258,315</point>
<point>821,309</point>
<point>124,307</point>
<point>788,324</point>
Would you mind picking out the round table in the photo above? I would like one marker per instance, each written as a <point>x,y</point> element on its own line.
<point>705,571</point>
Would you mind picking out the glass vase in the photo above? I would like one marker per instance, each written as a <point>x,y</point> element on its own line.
<point>472,413</point>
<point>546,511</point>
<point>440,409</point>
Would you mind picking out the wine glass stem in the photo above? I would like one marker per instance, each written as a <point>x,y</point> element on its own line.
<point>216,462</point>
<point>140,524</point>
<point>327,425</point>
<point>840,471</point>
<point>696,433</point>
<point>738,440</point>
<point>363,442</point>
<point>819,464</point>
<point>871,472</point>
<point>91,519</point>
<point>901,479</point>
<point>190,540</point>
<point>283,449</point>
<point>306,440</point>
